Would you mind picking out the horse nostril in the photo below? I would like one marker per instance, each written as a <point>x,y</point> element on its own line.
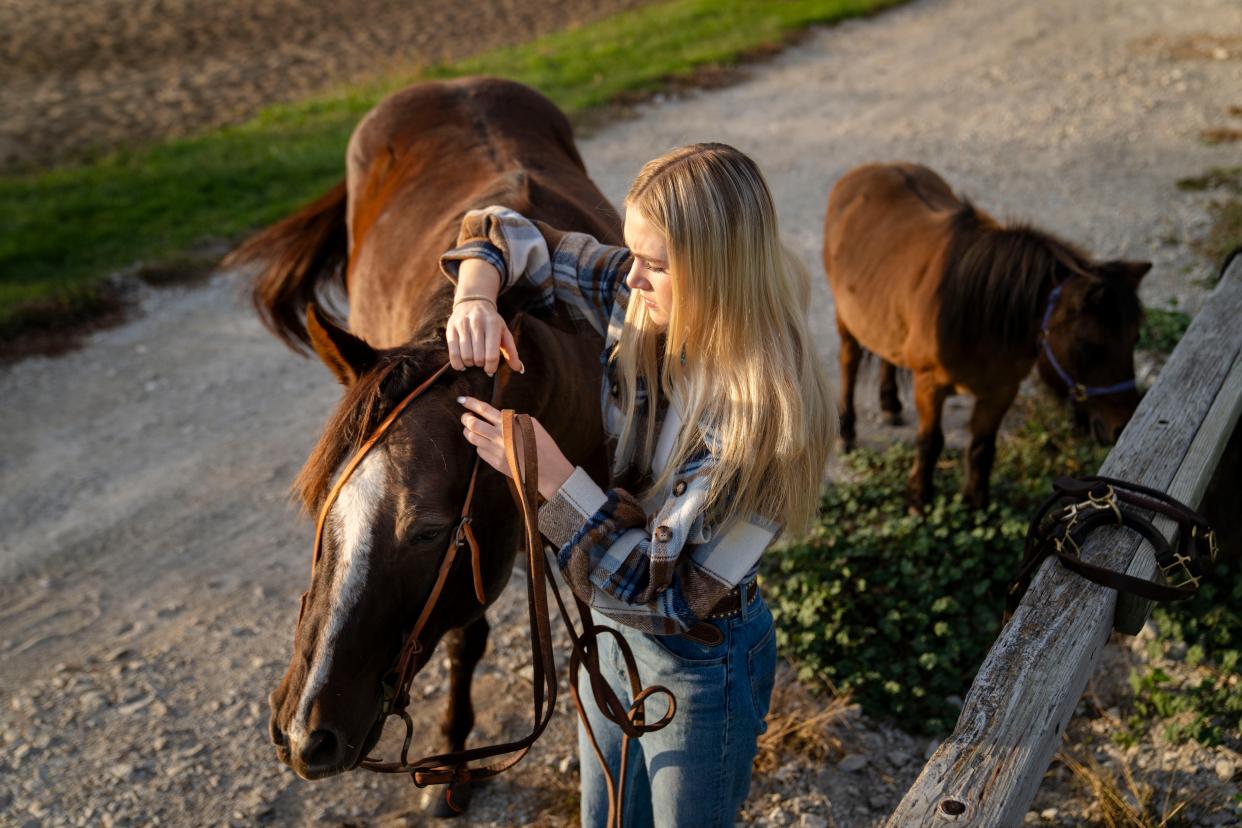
<point>321,751</point>
<point>275,733</point>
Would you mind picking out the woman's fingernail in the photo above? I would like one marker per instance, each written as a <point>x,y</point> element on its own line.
<point>521,369</point>
<point>461,400</point>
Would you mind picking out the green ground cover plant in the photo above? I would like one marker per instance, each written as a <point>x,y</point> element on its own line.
<point>62,231</point>
<point>1203,702</point>
<point>900,609</point>
<point>1162,329</point>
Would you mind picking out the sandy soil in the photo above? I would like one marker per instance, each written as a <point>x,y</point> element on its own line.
<point>150,565</point>
<point>112,72</point>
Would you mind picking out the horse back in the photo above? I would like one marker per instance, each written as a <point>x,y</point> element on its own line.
<point>886,235</point>
<point>425,156</point>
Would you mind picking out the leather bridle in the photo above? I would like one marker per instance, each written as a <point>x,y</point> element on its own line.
<point>1079,506</point>
<point>1077,391</point>
<point>453,767</point>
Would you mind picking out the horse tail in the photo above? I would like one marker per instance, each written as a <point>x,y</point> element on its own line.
<point>297,255</point>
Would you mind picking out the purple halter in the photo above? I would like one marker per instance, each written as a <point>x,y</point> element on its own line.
<point>1077,390</point>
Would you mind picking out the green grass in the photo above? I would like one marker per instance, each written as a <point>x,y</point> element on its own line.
<point>64,230</point>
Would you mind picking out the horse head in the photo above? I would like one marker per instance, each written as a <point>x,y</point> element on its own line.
<point>1090,326</point>
<point>387,530</point>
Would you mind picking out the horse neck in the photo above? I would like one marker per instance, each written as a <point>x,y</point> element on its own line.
<point>560,387</point>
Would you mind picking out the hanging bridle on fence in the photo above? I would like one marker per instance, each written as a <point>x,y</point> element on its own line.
<point>1080,505</point>
<point>454,767</point>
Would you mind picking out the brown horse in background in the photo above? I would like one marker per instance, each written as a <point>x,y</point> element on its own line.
<point>925,281</point>
<point>416,163</point>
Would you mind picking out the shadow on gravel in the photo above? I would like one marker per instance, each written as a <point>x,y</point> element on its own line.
<point>56,326</point>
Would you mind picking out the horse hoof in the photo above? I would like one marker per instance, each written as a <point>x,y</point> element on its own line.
<point>847,444</point>
<point>451,801</point>
<point>893,418</point>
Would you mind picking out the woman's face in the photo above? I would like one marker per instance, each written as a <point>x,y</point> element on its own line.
<point>649,278</point>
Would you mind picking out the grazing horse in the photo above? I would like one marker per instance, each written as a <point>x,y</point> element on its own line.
<point>416,163</point>
<point>925,281</point>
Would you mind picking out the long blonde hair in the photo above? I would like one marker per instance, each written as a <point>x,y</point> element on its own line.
<point>750,377</point>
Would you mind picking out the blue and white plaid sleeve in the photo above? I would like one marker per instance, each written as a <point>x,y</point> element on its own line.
<point>662,581</point>
<point>573,269</point>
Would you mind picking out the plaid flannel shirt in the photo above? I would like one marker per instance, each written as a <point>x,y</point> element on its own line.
<point>658,565</point>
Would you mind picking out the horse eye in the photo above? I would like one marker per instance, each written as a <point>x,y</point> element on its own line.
<point>428,535</point>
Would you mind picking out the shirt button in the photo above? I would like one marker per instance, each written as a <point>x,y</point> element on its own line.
<point>679,489</point>
<point>615,389</point>
<point>663,534</point>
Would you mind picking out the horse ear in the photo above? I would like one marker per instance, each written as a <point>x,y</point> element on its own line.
<point>347,356</point>
<point>1132,272</point>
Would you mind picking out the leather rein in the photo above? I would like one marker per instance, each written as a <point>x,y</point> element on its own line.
<point>452,767</point>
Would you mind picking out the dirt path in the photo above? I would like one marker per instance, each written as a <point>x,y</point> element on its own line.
<point>115,72</point>
<point>149,564</point>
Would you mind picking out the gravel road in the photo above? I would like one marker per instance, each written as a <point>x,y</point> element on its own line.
<point>150,564</point>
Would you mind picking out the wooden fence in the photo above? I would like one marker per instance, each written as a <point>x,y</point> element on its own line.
<point>988,771</point>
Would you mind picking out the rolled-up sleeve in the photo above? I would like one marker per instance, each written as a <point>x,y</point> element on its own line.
<point>573,269</point>
<point>662,581</point>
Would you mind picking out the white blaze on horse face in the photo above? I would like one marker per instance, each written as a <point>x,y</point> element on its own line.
<point>350,522</point>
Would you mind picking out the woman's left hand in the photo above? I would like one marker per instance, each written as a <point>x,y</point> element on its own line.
<point>481,425</point>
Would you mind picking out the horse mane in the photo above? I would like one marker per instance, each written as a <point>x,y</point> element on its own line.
<point>366,402</point>
<point>995,278</point>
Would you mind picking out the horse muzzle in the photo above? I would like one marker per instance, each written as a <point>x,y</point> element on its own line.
<point>319,749</point>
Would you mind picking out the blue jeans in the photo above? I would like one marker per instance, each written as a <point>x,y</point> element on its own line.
<point>696,771</point>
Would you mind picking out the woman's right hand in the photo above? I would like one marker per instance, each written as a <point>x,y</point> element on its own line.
<point>476,333</point>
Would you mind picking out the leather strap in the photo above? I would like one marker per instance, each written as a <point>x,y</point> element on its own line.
<point>453,767</point>
<point>1078,506</point>
<point>732,603</point>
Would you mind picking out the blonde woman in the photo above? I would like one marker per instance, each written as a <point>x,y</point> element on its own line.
<point>720,414</point>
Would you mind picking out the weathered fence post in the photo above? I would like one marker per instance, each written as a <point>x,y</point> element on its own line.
<point>988,771</point>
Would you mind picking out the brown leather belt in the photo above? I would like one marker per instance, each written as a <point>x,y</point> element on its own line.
<point>731,604</point>
<point>706,633</point>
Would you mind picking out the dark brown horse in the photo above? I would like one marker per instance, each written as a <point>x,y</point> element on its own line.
<point>926,281</point>
<point>416,163</point>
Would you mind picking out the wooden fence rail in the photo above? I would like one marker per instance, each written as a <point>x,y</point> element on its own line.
<point>988,771</point>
